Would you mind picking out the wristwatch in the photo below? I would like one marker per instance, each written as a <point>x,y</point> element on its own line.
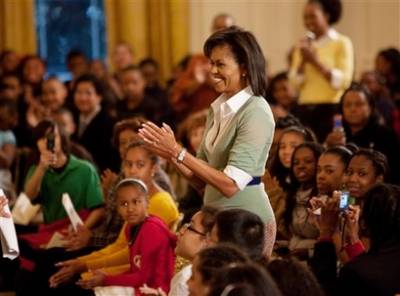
<point>181,155</point>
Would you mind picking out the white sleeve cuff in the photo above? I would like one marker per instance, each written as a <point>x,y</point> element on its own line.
<point>336,78</point>
<point>240,177</point>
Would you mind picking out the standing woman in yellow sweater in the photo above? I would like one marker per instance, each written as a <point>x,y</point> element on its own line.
<point>322,66</point>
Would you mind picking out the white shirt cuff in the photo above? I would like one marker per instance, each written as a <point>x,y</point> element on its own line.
<point>336,78</point>
<point>240,177</point>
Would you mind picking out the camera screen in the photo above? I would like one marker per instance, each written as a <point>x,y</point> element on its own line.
<point>344,200</point>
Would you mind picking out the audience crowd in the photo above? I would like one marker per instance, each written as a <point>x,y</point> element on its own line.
<point>332,170</point>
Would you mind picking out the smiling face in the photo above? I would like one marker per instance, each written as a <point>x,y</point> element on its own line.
<point>226,73</point>
<point>131,204</point>
<point>54,94</point>
<point>86,98</point>
<point>330,172</point>
<point>288,142</point>
<point>304,164</point>
<point>360,176</point>
<point>315,20</point>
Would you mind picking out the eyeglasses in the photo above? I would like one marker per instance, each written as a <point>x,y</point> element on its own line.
<point>189,227</point>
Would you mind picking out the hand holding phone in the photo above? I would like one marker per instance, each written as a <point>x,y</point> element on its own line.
<point>50,139</point>
<point>344,200</point>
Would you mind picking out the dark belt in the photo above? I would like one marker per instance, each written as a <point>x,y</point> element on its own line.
<point>255,181</point>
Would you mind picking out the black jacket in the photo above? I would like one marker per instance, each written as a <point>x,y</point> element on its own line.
<point>97,140</point>
<point>382,139</point>
<point>374,273</point>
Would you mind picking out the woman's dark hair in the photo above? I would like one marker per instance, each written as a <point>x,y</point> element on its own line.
<point>246,279</point>
<point>212,259</point>
<point>342,152</point>
<point>294,278</point>
<point>142,144</point>
<point>333,8</point>
<point>133,124</point>
<point>149,61</point>
<point>287,121</point>
<point>271,87</point>
<point>360,88</point>
<point>277,169</point>
<point>380,215</point>
<point>378,159</point>
<point>209,213</point>
<point>42,129</point>
<point>317,150</point>
<point>247,52</point>
<point>97,84</point>
<point>392,55</point>
<point>243,229</point>
<point>352,147</point>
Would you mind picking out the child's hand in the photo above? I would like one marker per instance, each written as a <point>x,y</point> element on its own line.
<point>330,215</point>
<point>68,270</point>
<point>96,280</point>
<point>79,239</point>
<point>352,216</point>
<point>108,177</point>
<point>145,290</point>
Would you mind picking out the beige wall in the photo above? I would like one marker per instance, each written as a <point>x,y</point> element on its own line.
<point>277,24</point>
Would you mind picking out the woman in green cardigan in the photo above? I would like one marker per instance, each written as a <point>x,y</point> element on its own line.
<point>239,131</point>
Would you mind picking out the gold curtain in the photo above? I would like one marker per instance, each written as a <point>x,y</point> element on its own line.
<point>154,28</point>
<point>17,26</point>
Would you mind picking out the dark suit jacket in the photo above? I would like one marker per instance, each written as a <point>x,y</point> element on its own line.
<point>97,140</point>
<point>374,273</point>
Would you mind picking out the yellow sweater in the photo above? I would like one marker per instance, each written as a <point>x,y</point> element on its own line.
<point>114,258</point>
<point>334,51</point>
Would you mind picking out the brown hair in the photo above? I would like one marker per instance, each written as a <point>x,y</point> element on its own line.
<point>133,124</point>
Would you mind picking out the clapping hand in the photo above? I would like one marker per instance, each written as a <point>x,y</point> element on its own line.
<point>160,139</point>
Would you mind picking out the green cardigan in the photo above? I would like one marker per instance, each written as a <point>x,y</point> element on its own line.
<point>245,144</point>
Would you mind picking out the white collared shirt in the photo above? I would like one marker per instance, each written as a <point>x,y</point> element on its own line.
<point>224,110</point>
<point>179,285</point>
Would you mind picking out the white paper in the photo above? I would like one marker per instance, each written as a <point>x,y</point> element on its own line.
<point>71,212</point>
<point>8,236</point>
<point>56,241</point>
<point>114,291</point>
<point>23,211</point>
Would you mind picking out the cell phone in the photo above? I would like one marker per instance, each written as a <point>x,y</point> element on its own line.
<point>337,122</point>
<point>344,200</point>
<point>50,137</point>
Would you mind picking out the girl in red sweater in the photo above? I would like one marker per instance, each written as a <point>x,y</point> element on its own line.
<point>151,244</point>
